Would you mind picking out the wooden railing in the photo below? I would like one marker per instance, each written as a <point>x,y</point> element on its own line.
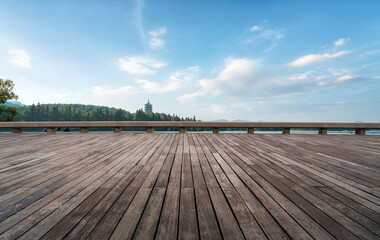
<point>360,128</point>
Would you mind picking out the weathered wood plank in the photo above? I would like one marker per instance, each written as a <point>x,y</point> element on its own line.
<point>78,183</point>
<point>187,227</point>
<point>208,226</point>
<point>149,220</point>
<point>128,223</point>
<point>190,185</point>
<point>168,225</point>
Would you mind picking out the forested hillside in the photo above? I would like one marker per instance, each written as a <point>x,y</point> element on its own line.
<point>80,112</point>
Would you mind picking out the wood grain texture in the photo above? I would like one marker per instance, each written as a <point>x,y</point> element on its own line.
<point>189,186</point>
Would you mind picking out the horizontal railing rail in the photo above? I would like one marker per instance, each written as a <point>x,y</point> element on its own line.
<point>360,128</point>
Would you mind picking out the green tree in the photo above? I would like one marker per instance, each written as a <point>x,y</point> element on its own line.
<point>119,116</point>
<point>140,115</point>
<point>108,117</point>
<point>6,93</point>
<point>39,112</point>
<point>79,112</point>
<point>129,116</point>
<point>54,113</point>
<point>47,113</point>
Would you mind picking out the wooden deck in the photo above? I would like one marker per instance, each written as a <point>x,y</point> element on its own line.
<point>189,186</point>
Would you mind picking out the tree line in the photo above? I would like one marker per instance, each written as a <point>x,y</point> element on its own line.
<point>81,112</point>
<point>7,113</point>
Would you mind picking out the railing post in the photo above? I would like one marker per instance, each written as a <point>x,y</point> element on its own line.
<point>50,130</point>
<point>322,131</point>
<point>117,130</point>
<point>251,130</point>
<point>286,131</point>
<point>182,130</point>
<point>83,130</point>
<point>149,130</point>
<point>16,130</point>
<point>215,130</point>
<point>360,131</point>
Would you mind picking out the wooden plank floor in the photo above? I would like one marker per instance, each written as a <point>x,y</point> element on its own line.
<point>189,186</point>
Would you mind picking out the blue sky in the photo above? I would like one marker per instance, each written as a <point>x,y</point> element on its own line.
<point>251,60</point>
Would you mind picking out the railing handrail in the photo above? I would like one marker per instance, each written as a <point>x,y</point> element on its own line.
<point>191,124</point>
<point>322,127</point>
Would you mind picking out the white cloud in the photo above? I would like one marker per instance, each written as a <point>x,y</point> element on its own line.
<point>272,34</point>
<point>185,76</point>
<point>234,78</point>
<point>158,32</point>
<point>372,64</point>
<point>140,64</point>
<point>155,40</point>
<point>154,87</point>
<point>341,76</point>
<point>347,77</point>
<point>255,28</point>
<point>267,32</point>
<point>176,81</point>
<point>190,97</point>
<point>341,42</point>
<point>248,77</point>
<point>271,47</point>
<point>326,80</point>
<point>220,109</point>
<point>106,91</point>
<point>315,58</point>
<point>67,94</point>
<point>264,33</point>
<point>20,58</point>
<point>376,77</point>
<point>156,43</point>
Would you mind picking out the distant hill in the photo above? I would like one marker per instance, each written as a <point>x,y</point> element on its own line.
<point>14,104</point>
<point>221,120</point>
<point>225,120</point>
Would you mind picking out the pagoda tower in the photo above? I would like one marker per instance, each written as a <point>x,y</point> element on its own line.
<point>148,107</point>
